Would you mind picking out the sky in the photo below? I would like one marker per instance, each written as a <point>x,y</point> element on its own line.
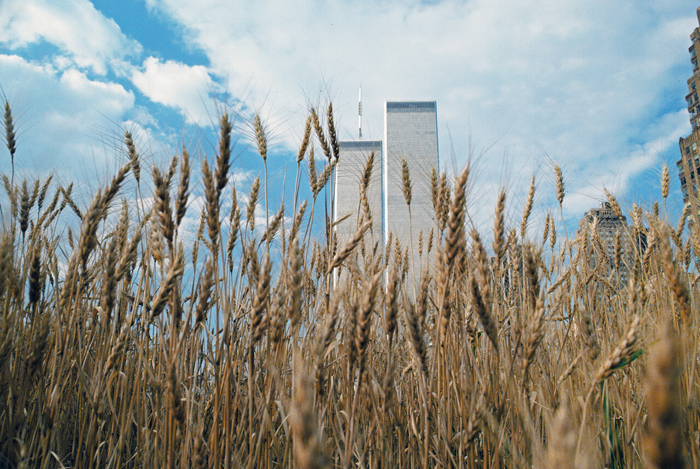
<point>594,86</point>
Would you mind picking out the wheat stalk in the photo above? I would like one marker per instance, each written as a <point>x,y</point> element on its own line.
<point>663,436</point>
<point>306,440</point>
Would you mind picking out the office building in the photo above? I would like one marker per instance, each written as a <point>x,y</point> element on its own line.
<point>605,237</point>
<point>689,164</point>
<point>410,134</point>
<point>349,173</point>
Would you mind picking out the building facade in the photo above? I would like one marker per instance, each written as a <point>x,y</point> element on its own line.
<point>689,164</point>
<point>410,134</point>
<point>608,239</point>
<point>349,174</point>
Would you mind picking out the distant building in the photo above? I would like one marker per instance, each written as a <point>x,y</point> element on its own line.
<point>607,238</point>
<point>689,164</point>
<point>410,133</point>
<point>348,179</point>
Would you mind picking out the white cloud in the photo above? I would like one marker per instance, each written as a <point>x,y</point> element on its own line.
<point>594,84</point>
<point>176,85</point>
<point>73,26</point>
<point>61,117</point>
<point>584,80</point>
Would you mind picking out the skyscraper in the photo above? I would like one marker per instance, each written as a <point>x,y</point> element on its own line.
<point>607,238</point>
<point>689,164</point>
<point>410,134</point>
<point>349,173</point>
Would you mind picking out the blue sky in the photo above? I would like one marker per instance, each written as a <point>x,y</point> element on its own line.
<point>596,86</point>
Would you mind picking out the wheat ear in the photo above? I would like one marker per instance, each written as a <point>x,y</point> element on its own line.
<point>621,355</point>
<point>613,204</point>
<point>223,161</point>
<point>560,184</point>
<point>165,216</point>
<point>407,187</point>
<point>482,310</point>
<point>10,136</point>
<point>664,182</point>
<point>206,283</point>
<point>133,155</point>
<point>305,140</point>
<point>391,303</point>
<point>252,203</point>
<point>349,247</point>
<point>415,331</point>
<point>183,188</point>
<point>527,210</point>
<point>260,302</point>
<point>174,273</point>
<point>678,286</point>
<point>455,225</point>
<point>498,227</point>
<point>331,132</point>
<point>320,134</point>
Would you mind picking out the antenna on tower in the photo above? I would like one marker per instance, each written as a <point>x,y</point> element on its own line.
<point>359,110</point>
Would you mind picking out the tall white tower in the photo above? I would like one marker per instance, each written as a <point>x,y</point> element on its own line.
<point>410,133</point>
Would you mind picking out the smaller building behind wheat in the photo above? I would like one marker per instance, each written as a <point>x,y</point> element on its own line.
<point>610,245</point>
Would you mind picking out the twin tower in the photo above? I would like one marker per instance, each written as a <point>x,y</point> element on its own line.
<point>410,134</point>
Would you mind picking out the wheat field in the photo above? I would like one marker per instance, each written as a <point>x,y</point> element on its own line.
<point>133,343</point>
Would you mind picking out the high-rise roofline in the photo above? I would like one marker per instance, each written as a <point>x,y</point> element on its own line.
<point>689,164</point>
<point>428,106</point>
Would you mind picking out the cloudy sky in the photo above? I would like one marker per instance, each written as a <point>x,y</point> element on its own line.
<point>594,86</point>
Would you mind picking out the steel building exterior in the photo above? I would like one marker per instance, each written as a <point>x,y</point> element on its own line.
<point>349,173</point>
<point>410,134</point>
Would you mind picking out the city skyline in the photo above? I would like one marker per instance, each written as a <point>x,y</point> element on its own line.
<point>410,138</point>
<point>595,87</point>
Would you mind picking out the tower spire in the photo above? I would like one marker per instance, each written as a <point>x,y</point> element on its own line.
<point>359,112</point>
